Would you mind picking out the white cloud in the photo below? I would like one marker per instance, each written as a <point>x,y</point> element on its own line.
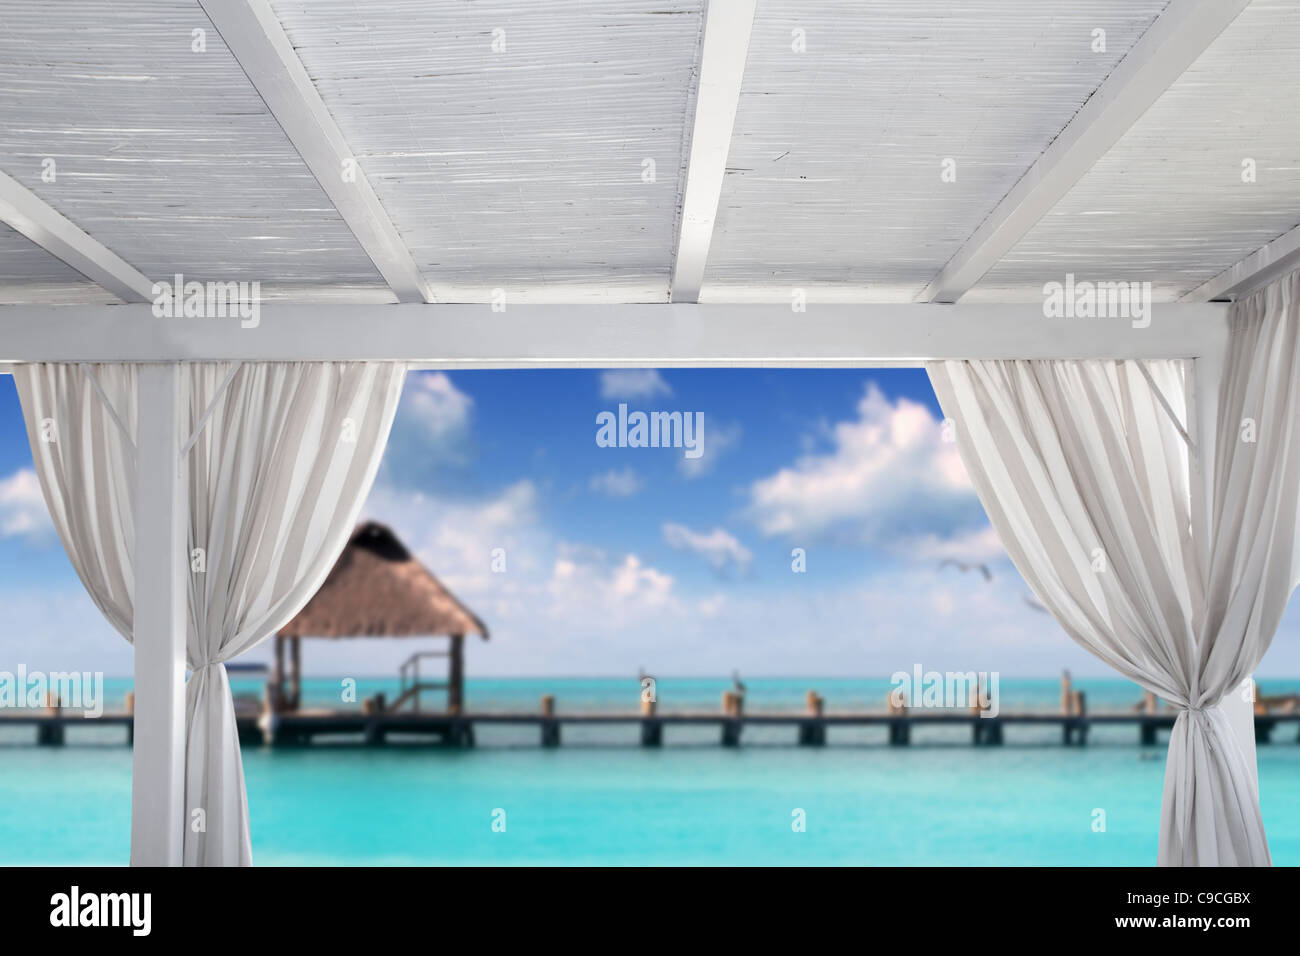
<point>616,483</point>
<point>557,607</point>
<point>456,538</point>
<point>889,480</point>
<point>436,404</point>
<point>719,548</point>
<point>431,430</point>
<point>632,383</point>
<point>611,619</point>
<point>717,439</point>
<point>22,507</point>
<point>712,605</point>
<point>544,577</point>
<point>569,608</point>
<point>629,585</point>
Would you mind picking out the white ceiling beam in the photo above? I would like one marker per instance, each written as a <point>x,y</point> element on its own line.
<point>557,336</point>
<point>722,69</point>
<point>25,212</point>
<point>1163,53</point>
<point>254,35</point>
<point>1261,267</point>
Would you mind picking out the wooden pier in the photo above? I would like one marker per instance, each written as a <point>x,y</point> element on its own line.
<point>375,725</point>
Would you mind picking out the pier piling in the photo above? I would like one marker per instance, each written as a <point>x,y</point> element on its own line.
<point>899,728</point>
<point>986,731</point>
<point>1147,728</point>
<point>1147,733</point>
<point>812,732</point>
<point>1074,731</point>
<point>550,727</point>
<point>732,709</point>
<point>652,729</point>
<point>50,733</point>
<point>1264,730</point>
<point>461,734</point>
<point>373,734</point>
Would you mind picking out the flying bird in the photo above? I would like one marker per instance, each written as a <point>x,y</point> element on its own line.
<point>988,576</point>
<point>963,566</point>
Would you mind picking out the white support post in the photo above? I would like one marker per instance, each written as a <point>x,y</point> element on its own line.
<point>1207,374</point>
<point>158,772</point>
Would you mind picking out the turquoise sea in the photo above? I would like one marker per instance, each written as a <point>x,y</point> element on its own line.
<point>601,799</point>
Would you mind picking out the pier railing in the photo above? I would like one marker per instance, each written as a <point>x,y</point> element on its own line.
<point>410,685</point>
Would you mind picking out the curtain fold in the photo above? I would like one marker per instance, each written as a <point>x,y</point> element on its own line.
<point>1086,481</point>
<point>281,460</point>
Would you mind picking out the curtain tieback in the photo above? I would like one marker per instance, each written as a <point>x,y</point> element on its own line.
<point>1201,717</point>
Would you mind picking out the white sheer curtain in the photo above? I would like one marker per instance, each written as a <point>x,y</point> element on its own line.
<point>81,423</point>
<point>1084,477</point>
<point>281,459</point>
<point>285,456</point>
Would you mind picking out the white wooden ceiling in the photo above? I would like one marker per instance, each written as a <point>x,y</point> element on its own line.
<point>835,164</point>
<point>525,168</point>
<point>515,160</point>
<point>1168,203</point>
<point>165,155</point>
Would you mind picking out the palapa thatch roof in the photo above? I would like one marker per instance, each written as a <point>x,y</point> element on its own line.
<point>378,589</point>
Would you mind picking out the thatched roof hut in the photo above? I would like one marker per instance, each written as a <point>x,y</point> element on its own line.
<point>377,588</point>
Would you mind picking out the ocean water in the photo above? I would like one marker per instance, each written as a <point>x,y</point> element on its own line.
<point>601,799</point>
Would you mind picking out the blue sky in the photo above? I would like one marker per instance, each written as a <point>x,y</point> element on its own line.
<point>617,558</point>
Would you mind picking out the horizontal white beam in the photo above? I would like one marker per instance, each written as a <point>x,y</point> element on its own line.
<point>254,35</point>
<point>722,69</point>
<point>473,336</point>
<point>25,212</point>
<point>1163,53</point>
<point>1261,267</point>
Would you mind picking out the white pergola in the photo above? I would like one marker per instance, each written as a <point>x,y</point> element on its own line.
<point>551,183</point>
